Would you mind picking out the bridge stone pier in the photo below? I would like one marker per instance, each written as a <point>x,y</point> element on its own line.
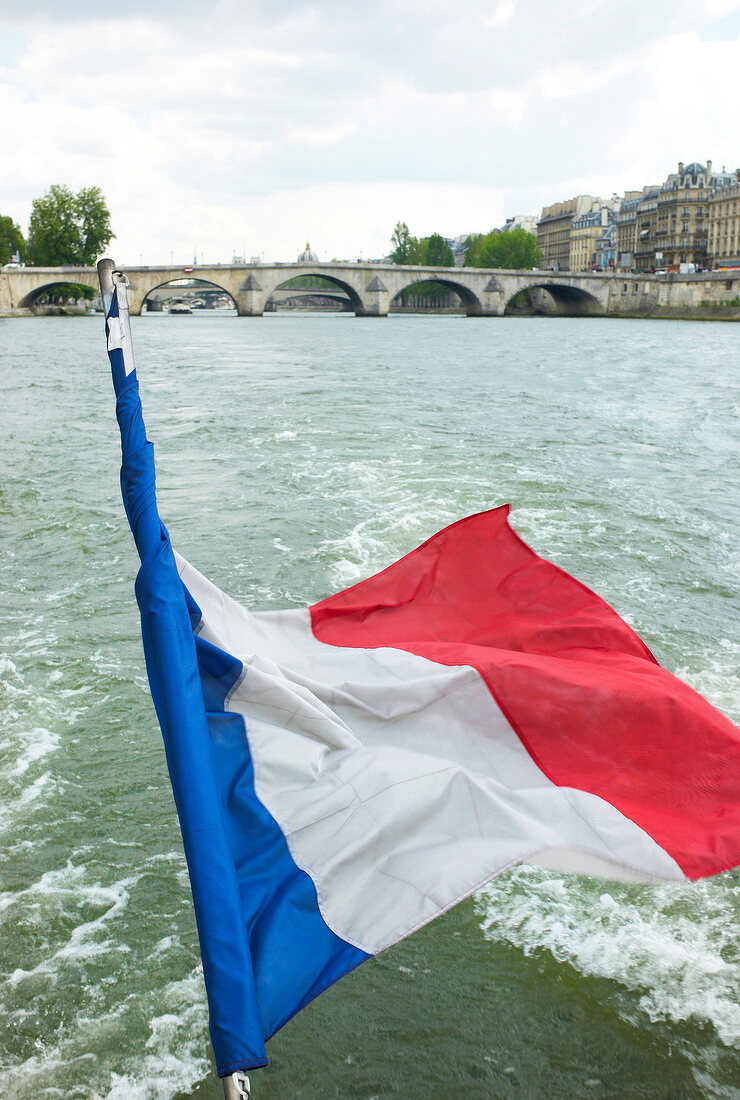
<point>370,288</point>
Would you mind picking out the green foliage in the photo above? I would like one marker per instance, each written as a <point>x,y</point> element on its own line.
<point>11,240</point>
<point>473,248</point>
<point>69,229</point>
<point>434,251</point>
<point>401,241</point>
<point>438,252</point>
<point>417,251</point>
<point>60,293</point>
<point>512,249</point>
<point>431,251</point>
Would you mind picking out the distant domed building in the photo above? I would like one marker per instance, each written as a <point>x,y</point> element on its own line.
<point>307,256</point>
<point>692,172</point>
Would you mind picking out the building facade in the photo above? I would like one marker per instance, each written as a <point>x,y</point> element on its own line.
<point>527,222</point>
<point>662,227</point>
<point>591,244</point>
<point>680,231</point>
<point>627,229</point>
<point>682,218</point>
<point>554,228</point>
<point>605,257</point>
<point>458,245</point>
<point>646,214</point>
<point>723,229</point>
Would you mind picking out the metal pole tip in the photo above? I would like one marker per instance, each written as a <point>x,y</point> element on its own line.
<point>236,1086</point>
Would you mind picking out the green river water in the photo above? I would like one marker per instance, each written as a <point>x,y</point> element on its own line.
<point>295,455</point>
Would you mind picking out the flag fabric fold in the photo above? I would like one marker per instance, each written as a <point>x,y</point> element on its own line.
<point>345,773</point>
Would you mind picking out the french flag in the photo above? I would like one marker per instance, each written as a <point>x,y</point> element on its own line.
<point>345,773</point>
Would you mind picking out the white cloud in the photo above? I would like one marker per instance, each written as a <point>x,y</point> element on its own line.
<point>502,15</point>
<point>255,125</point>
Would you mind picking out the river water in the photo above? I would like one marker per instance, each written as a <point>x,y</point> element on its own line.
<point>297,454</point>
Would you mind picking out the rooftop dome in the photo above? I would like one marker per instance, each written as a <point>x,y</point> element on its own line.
<point>308,257</point>
<point>694,170</point>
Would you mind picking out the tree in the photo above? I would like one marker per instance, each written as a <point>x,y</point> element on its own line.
<point>431,251</point>
<point>517,250</point>
<point>401,241</point>
<point>69,229</point>
<point>94,222</point>
<point>472,250</point>
<point>417,251</point>
<point>514,249</point>
<point>438,252</point>
<point>11,240</point>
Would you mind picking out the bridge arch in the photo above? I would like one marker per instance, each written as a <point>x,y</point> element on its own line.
<point>470,300</point>
<point>32,299</point>
<point>549,298</point>
<point>356,303</point>
<point>179,283</point>
<point>316,298</point>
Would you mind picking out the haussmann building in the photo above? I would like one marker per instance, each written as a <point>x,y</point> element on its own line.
<point>723,236</point>
<point>661,228</point>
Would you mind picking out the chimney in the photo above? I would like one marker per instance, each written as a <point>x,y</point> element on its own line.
<point>709,172</point>
<point>680,168</point>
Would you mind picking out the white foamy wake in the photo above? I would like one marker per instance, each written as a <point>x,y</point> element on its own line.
<point>715,678</point>
<point>66,887</point>
<point>170,1064</point>
<point>39,742</point>
<point>173,1061</point>
<point>673,946</point>
<point>92,1054</point>
<point>374,543</point>
<point>25,744</point>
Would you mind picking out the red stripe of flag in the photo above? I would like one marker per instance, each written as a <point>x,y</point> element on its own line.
<point>584,694</point>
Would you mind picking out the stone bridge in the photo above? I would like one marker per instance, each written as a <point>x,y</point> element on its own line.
<point>371,287</point>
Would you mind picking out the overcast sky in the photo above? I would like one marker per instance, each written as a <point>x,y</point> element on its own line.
<point>251,127</point>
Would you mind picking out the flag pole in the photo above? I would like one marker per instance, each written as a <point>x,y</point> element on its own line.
<point>113,284</point>
<point>105,277</point>
<point>236,1086</point>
